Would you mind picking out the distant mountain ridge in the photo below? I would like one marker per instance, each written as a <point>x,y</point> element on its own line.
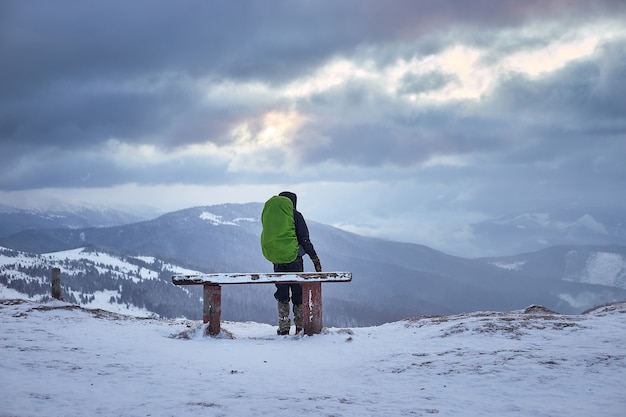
<point>532,231</point>
<point>599,265</point>
<point>14,220</point>
<point>391,280</point>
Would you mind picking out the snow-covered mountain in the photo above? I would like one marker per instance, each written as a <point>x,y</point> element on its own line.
<point>14,220</point>
<point>601,266</point>
<point>139,285</point>
<point>391,280</point>
<point>527,232</point>
<point>62,360</point>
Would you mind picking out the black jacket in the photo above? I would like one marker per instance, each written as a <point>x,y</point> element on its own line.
<point>302,231</point>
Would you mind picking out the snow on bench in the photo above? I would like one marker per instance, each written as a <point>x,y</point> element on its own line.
<point>311,292</point>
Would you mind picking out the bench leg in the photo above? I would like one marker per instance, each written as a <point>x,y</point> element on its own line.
<point>312,307</point>
<point>212,307</point>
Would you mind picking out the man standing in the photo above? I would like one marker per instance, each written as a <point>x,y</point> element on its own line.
<point>284,240</point>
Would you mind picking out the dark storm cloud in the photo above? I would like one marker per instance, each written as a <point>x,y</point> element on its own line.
<point>559,139</point>
<point>415,84</point>
<point>578,106</point>
<point>46,166</point>
<point>71,70</point>
<point>555,139</point>
<point>77,74</point>
<point>582,95</point>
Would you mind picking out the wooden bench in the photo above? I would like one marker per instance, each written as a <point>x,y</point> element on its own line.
<point>311,292</point>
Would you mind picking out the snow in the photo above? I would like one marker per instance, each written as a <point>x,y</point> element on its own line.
<point>213,218</point>
<point>542,219</point>
<point>260,278</point>
<point>605,268</point>
<point>102,261</point>
<point>63,360</point>
<point>581,300</point>
<point>102,301</point>
<point>8,293</point>
<point>217,220</point>
<point>511,266</point>
<point>586,221</point>
<point>11,263</point>
<point>601,268</point>
<point>146,259</point>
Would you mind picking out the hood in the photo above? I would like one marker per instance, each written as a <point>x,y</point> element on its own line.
<point>291,196</point>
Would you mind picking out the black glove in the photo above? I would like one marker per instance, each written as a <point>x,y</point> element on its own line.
<point>317,264</point>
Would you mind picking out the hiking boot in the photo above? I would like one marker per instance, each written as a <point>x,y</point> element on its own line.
<point>298,330</point>
<point>298,316</point>
<point>282,332</point>
<point>283,318</point>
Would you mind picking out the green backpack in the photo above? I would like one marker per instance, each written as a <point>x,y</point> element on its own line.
<point>279,242</point>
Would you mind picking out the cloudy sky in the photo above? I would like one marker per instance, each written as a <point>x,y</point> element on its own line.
<point>407,120</point>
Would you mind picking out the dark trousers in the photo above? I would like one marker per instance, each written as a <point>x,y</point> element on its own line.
<point>282,290</point>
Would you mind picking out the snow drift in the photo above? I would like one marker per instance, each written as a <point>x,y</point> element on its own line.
<point>64,360</point>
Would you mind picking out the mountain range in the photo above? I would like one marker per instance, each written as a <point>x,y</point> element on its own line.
<point>532,231</point>
<point>391,280</point>
<point>14,220</point>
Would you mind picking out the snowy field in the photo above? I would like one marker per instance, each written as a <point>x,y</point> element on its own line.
<point>62,360</point>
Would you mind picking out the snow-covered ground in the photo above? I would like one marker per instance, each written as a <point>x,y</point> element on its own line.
<point>63,360</point>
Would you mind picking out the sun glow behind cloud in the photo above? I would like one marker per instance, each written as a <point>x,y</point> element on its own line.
<point>254,143</point>
<point>266,143</point>
<point>473,74</point>
<point>333,74</point>
<point>552,57</point>
<point>257,145</point>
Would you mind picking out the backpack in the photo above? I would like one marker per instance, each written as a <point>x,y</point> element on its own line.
<point>279,242</point>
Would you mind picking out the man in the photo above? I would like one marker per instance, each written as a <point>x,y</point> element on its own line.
<point>283,291</point>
